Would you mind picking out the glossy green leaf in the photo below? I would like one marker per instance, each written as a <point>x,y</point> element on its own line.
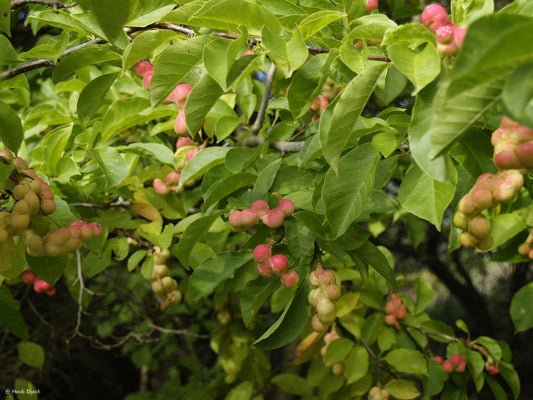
<point>511,377</point>
<point>317,21</point>
<point>507,225</point>
<point>143,45</point>
<point>373,256</point>
<point>254,295</point>
<point>345,192</point>
<point>425,197</point>
<point>31,354</point>
<point>88,55</point>
<point>93,95</point>
<point>517,95</point>
<point>11,133</point>
<point>202,162</point>
<point>421,66</point>
<point>407,361</point>
<point>464,12</point>
<point>338,349</point>
<point>10,316</point>
<point>521,309</point>
<point>156,151</point>
<point>287,55</point>
<point>180,63</point>
<point>424,295</point>
<point>335,135</point>
<point>26,390</point>
<point>402,389</point>
<point>136,258</point>
<point>112,164</point>
<point>124,113</point>
<point>200,100</point>
<point>289,324</point>
<point>48,268</point>
<point>146,12</point>
<point>356,364</point>
<point>111,16</point>
<point>8,55</point>
<point>227,186</point>
<point>194,233</point>
<point>266,177</point>
<point>5,17</point>
<point>209,274</point>
<point>300,240</point>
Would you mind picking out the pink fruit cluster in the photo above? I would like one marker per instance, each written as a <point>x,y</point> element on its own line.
<point>372,5</point>
<point>322,298</point>
<point>337,367</point>
<point>145,70</point>
<point>455,363</point>
<point>61,241</point>
<point>30,278</point>
<point>186,149</point>
<point>395,310</point>
<point>513,145</point>
<point>318,106</point>
<point>269,265</point>
<point>260,210</point>
<point>170,185</point>
<point>492,369</point>
<point>449,36</point>
<point>489,191</point>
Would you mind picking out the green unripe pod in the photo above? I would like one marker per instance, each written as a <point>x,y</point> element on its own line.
<point>19,223</point>
<point>169,284</point>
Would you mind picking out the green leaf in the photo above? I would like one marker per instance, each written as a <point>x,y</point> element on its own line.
<point>25,390</point>
<point>407,361</point>
<point>434,381</point>
<point>402,389</point>
<point>317,21</point>
<point>11,132</point>
<point>93,95</point>
<point>31,353</point>
<point>425,197</point>
<point>242,391</point>
<point>464,12</point>
<point>203,162</point>
<point>125,113</point>
<point>507,225</point>
<point>335,135</point>
<point>180,63</point>
<point>356,364</point>
<point>345,192</point>
<point>266,176</point>
<point>88,55</point>
<point>10,316</point>
<point>254,295</point>
<point>209,274</point>
<point>292,383</point>
<point>144,44</point>
<point>338,350</point>
<point>5,17</point>
<point>373,256</point>
<point>136,258</point>
<point>424,295</point>
<point>517,95</point>
<point>156,151</point>
<point>147,12</point>
<point>420,66</point>
<point>287,55</point>
<point>112,163</point>
<point>111,16</point>
<point>200,100</point>
<point>48,268</point>
<point>8,55</point>
<point>226,186</point>
<point>97,262</point>
<point>193,234</point>
<point>524,7</point>
<point>510,376</point>
<point>521,309</point>
<point>496,388</point>
<point>300,240</point>
<point>289,324</point>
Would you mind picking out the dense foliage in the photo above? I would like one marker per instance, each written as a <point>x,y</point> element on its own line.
<point>208,181</point>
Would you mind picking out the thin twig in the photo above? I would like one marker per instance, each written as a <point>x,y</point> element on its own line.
<point>281,145</point>
<point>80,294</point>
<point>178,332</point>
<point>264,102</point>
<point>56,5</point>
<point>377,359</point>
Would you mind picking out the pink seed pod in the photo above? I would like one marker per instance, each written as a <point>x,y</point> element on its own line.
<point>45,186</point>
<point>180,126</point>
<point>447,366</point>
<point>142,67</point>
<point>279,264</point>
<point>86,232</point>
<point>160,187</point>
<point>248,52</point>
<point>438,359</point>
<point>458,34</point>
<point>51,291</point>
<point>507,159</point>
<point>286,207</point>
<point>235,220</point>
<point>57,236</point>
<point>97,228</point>
<point>481,198</point>
<point>273,219</point>
<point>180,94</point>
<point>290,279</point>
<point>524,153</point>
<point>173,178</point>
<point>434,16</point>
<point>261,207</point>
<point>444,34</point>
<point>41,286</point>
<point>327,277</point>
<point>147,79</point>
<point>449,49</point>
<point>262,252</point>
<point>249,217</point>
<point>31,172</point>
<point>372,5</point>
<point>191,154</point>
<point>184,141</point>
<point>457,359</point>
<point>264,269</point>
<point>29,277</point>
<point>333,291</point>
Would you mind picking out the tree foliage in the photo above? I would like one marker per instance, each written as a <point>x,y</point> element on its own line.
<point>154,146</point>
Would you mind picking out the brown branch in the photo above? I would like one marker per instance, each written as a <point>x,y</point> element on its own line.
<point>281,145</point>
<point>378,360</point>
<point>256,127</point>
<point>56,5</point>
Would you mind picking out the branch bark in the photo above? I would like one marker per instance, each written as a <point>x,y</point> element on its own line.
<point>56,5</point>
